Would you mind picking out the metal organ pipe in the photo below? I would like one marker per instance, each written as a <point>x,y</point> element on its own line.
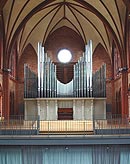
<point>83,83</point>
<point>83,74</point>
<point>85,77</point>
<point>25,80</point>
<point>39,46</point>
<point>90,51</point>
<point>46,74</point>
<point>42,70</point>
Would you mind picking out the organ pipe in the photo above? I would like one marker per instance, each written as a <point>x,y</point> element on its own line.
<point>25,80</point>
<point>39,45</point>
<point>74,83</point>
<point>83,84</point>
<point>55,81</point>
<point>42,70</point>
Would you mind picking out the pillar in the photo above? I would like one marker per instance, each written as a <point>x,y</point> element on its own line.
<point>124,93</point>
<point>56,109</point>
<point>38,109</point>
<point>73,109</point>
<point>1,115</point>
<point>47,108</point>
<point>82,109</point>
<point>92,110</point>
<point>6,94</point>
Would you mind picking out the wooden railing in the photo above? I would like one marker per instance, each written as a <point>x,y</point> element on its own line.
<point>112,125</point>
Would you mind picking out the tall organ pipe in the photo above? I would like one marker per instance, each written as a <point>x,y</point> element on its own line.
<point>77,81</point>
<point>39,70</point>
<point>25,80</point>
<point>90,51</point>
<point>74,83</point>
<point>55,82</point>
<point>85,78</point>
<point>42,70</point>
<point>82,80</point>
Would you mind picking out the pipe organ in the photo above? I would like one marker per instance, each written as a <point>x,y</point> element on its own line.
<point>83,84</point>
<point>85,94</point>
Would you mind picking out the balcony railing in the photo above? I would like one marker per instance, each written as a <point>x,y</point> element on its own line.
<point>112,125</point>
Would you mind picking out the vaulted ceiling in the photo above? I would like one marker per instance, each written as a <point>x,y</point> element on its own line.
<point>31,21</point>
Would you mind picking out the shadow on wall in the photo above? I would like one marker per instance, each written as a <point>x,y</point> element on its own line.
<point>21,109</point>
<point>109,108</point>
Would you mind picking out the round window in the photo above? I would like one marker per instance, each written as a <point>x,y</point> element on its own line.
<point>64,56</point>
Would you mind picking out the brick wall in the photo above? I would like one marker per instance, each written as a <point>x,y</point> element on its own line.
<point>64,38</point>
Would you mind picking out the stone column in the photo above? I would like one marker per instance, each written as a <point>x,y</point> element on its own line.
<point>6,94</point>
<point>56,109</point>
<point>73,109</point>
<point>1,101</point>
<point>82,109</point>
<point>124,93</point>
<point>92,110</point>
<point>38,109</point>
<point>47,110</point>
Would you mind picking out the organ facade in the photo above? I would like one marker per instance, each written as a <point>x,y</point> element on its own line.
<point>81,98</point>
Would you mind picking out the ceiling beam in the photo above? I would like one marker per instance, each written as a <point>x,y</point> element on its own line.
<point>2,3</point>
<point>127,3</point>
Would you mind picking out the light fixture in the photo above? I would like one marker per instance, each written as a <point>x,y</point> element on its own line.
<point>122,69</point>
<point>6,69</point>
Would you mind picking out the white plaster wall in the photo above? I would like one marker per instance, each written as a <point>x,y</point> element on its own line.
<point>43,110</point>
<point>100,109</point>
<point>78,114</point>
<point>52,110</point>
<point>65,103</point>
<point>88,110</point>
<point>31,110</point>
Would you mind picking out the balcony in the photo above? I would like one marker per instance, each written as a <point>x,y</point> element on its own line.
<point>113,125</point>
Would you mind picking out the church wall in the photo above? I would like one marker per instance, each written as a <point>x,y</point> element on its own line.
<point>129,67</point>
<point>129,45</point>
<point>1,89</point>
<point>117,96</point>
<point>1,78</point>
<point>12,86</point>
